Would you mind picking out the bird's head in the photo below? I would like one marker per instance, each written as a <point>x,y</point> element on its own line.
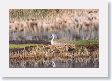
<point>53,35</point>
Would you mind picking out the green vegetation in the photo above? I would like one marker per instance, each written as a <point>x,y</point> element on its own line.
<point>12,46</point>
<point>79,42</point>
<point>84,42</point>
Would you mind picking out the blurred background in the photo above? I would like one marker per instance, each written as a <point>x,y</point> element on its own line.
<point>66,24</point>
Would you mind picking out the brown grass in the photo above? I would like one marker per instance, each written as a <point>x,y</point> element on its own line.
<point>42,53</point>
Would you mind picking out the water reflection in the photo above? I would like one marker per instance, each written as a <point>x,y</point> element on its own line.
<point>54,64</point>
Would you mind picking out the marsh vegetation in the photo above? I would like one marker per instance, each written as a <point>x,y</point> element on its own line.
<point>75,41</point>
<point>42,56</point>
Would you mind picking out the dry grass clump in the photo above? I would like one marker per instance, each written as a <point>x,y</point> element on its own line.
<point>44,55</point>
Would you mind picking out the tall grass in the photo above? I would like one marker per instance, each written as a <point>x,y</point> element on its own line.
<point>69,24</point>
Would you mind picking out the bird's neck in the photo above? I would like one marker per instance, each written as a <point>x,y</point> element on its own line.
<point>52,39</point>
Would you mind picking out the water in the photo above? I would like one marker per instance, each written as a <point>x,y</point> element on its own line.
<point>53,64</point>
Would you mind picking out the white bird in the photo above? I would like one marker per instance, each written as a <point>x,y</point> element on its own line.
<point>67,46</point>
<point>54,42</point>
